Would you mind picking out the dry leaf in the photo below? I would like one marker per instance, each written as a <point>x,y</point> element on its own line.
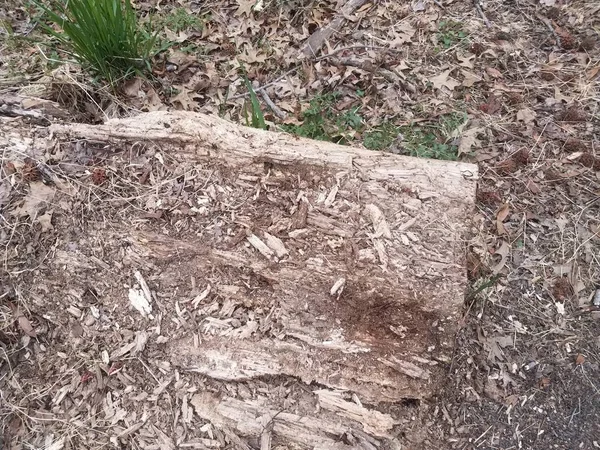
<point>252,55</point>
<point>26,326</point>
<point>533,187</point>
<point>180,37</point>
<point>467,61</point>
<point>580,359</point>
<point>23,321</point>
<point>405,32</point>
<point>183,98</point>
<point>132,88</point>
<point>560,97</point>
<point>153,101</point>
<point>39,195</point>
<point>503,251</point>
<point>502,213</point>
<point>544,382</point>
<point>444,79</point>
<point>494,73</point>
<point>45,221</point>
<point>593,72</point>
<point>501,216</point>
<point>418,6</point>
<point>470,78</point>
<point>468,140</point>
<point>245,7</point>
<point>526,115</point>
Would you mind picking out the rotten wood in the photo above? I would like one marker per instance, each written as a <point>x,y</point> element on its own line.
<point>385,331</point>
<point>200,136</point>
<point>320,430</point>
<point>39,110</point>
<point>331,265</point>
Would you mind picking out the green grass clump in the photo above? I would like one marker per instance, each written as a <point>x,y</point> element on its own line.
<point>382,137</point>
<point>450,33</point>
<point>253,115</point>
<point>323,122</point>
<point>102,35</point>
<point>431,140</point>
<point>181,20</point>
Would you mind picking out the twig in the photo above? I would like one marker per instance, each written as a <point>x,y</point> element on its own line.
<point>269,84</point>
<point>439,4</point>
<point>482,14</point>
<point>278,112</point>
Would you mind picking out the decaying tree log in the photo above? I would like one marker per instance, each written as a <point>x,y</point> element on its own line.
<point>339,267</point>
<point>371,303</point>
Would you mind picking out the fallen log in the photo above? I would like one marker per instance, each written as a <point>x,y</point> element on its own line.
<point>248,255</point>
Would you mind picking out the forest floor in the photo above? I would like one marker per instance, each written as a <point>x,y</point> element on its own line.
<point>510,85</point>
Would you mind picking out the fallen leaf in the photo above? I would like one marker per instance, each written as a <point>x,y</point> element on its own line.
<point>252,55</point>
<point>468,140</point>
<point>492,106</point>
<point>25,325</point>
<point>493,392</point>
<point>494,346</point>
<point>444,80</point>
<point>404,33</point>
<point>593,72</point>
<point>470,78</point>
<point>467,61</point>
<point>45,221</point>
<point>560,97</point>
<point>580,359</point>
<point>502,213</point>
<point>153,101</point>
<point>533,187</point>
<point>132,88</point>
<point>544,382</point>
<point>23,321</point>
<point>176,37</point>
<point>244,7</point>
<point>503,251</point>
<point>183,98</point>
<point>526,115</point>
<point>494,73</point>
<point>39,195</point>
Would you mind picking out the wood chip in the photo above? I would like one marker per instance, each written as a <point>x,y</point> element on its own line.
<point>300,216</point>
<point>260,246</point>
<point>140,279</point>
<point>331,196</point>
<point>338,287</point>
<point>200,297</point>
<point>276,244</point>
<point>380,225</point>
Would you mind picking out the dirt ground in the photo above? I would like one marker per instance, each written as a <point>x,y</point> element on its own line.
<point>512,86</point>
